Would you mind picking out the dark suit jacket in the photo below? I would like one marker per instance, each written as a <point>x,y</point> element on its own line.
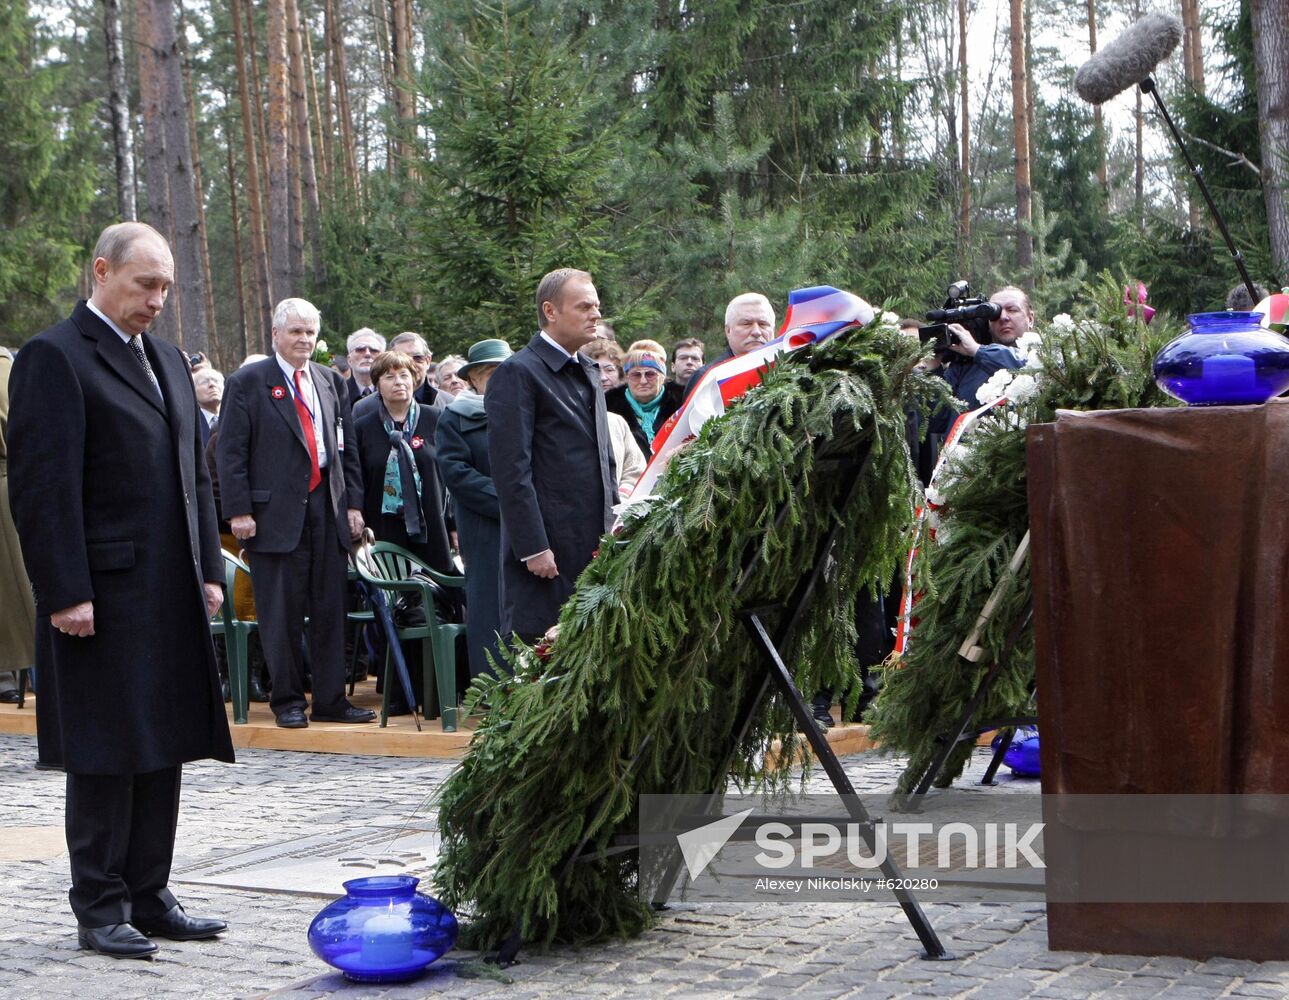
<point>373,452</point>
<point>264,461</point>
<point>616,401</point>
<point>113,505</point>
<point>355,390</point>
<point>552,465</point>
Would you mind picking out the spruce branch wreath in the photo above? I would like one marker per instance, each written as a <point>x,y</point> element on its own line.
<point>640,693</point>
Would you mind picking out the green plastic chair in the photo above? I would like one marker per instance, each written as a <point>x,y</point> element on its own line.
<point>391,569</point>
<point>236,633</point>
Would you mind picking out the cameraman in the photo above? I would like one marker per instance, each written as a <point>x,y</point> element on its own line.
<point>975,362</point>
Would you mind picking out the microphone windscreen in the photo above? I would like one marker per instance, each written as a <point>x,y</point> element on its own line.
<point>1129,59</point>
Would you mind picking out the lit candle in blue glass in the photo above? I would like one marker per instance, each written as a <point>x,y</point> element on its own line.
<point>386,941</point>
<point>1231,377</point>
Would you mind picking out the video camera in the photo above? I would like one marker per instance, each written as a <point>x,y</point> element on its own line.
<point>961,307</point>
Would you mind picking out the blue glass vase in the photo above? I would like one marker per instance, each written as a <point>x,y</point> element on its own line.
<point>1224,359</point>
<point>382,930</point>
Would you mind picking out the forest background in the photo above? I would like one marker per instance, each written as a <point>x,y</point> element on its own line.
<point>412,165</point>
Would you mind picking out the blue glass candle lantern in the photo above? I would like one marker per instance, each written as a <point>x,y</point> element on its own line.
<point>1224,359</point>
<point>382,930</point>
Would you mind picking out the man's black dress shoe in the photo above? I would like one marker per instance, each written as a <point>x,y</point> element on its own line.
<point>255,688</point>
<point>9,697</point>
<point>349,713</point>
<point>293,718</point>
<point>178,926</point>
<point>115,940</point>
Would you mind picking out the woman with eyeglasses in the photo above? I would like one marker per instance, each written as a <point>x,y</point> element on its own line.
<point>647,399</point>
<point>403,498</point>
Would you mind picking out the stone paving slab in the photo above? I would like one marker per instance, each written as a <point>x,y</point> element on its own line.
<point>811,951</point>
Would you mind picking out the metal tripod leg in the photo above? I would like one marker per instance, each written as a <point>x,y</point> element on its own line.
<point>782,679</point>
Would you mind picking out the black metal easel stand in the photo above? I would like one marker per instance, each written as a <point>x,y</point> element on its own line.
<point>778,676</point>
<point>969,728</point>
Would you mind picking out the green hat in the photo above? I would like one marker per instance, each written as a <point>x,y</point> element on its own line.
<point>485,352</point>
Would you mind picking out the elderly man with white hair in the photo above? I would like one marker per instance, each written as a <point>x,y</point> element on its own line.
<point>362,346</point>
<point>292,494</point>
<point>749,324</point>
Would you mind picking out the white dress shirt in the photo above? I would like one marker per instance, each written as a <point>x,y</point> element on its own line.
<point>310,400</point>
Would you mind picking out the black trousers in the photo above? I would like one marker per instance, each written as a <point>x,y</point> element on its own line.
<point>121,841</point>
<point>292,586</point>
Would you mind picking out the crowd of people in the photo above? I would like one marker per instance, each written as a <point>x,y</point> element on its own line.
<point>130,464</point>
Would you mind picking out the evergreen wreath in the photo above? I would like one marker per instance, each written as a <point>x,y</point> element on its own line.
<point>640,692</point>
<point>1103,360</point>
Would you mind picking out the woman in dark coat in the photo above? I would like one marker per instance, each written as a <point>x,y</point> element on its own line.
<point>645,400</point>
<point>463,462</point>
<point>396,450</point>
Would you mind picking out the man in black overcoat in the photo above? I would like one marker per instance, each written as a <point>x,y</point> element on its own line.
<point>552,461</point>
<point>113,506</point>
<point>292,494</point>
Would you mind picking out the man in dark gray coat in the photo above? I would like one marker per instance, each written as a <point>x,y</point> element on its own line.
<point>113,505</point>
<point>552,462</point>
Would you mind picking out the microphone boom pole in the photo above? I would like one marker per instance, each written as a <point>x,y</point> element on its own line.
<point>1148,87</point>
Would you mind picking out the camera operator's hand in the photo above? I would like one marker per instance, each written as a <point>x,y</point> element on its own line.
<point>965,343</point>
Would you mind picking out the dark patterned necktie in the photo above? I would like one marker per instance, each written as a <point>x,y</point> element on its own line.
<point>136,348</point>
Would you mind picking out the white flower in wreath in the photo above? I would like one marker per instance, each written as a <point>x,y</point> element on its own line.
<point>890,319</point>
<point>1022,388</point>
<point>995,387</point>
<point>1063,323</point>
<point>1028,342</point>
<point>934,497</point>
<point>1034,363</point>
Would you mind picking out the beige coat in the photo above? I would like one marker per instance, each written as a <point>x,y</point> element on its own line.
<point>17,612</point>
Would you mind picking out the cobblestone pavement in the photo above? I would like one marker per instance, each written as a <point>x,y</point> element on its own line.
<point>697,950</point>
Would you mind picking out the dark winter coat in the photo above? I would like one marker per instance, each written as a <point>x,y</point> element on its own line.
<point>112,501</point>
<point>462,454</point>
<point>552,463</point>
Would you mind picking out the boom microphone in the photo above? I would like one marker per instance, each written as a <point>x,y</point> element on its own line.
<point>1129,59</point>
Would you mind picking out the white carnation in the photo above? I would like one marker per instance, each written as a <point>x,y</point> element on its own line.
<point>1022,388</point>
<point>1028,341</point>
<point>934,497</point>
<point>890,319</point>
<point>1063,323</point>
<point>995,387</point>
<point>1034,363</point>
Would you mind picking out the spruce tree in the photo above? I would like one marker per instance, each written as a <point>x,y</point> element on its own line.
<point>47,182</point>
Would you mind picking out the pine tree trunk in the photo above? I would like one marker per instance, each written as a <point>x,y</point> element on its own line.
<point>327,117</point>
<point>321,139</point>
<point>1098,125</point>
<point>1020,129</point>
<point>239,281</point>
<point>194,141</point>
<point>1271,64</point>
<point>401,52</point>
<point>1139,166</point>
<point>279,154</point>
<point>1193,45</point>
<point>169,324</point>
<point>118,105</point>
<point>964,174</point>
<point>1193,68</point>
<point>304,142</point>
<point>336,44</point>
<point>254,200</point>
<point>190,276</point>
<point>258,90</point>
<point>381,19</point>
